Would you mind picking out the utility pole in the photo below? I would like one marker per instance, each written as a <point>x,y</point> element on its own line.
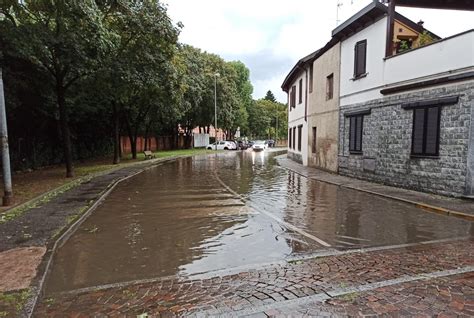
<point>216,75</point>
<point>7,177</point>
<point>276,128</point>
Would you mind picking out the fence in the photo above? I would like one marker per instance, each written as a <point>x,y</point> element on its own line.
<point>153,143</point>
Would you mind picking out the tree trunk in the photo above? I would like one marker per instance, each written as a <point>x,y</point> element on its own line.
<point>133,140</point>
<point>66,134</point>
<point>117,153</point>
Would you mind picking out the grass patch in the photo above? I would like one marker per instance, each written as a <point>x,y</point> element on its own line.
<point>172,153</point>
<point>11,304</point>
<point>86,170</point>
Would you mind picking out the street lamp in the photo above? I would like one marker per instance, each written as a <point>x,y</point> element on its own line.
<point>216,75</point>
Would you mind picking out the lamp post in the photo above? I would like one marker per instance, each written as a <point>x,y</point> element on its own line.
<point>7,178</point>
<point>216,75</point>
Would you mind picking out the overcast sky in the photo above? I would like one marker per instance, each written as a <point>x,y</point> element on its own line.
<point>270,36</point>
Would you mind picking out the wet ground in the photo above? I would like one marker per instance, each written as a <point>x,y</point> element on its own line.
<point>207,213</point>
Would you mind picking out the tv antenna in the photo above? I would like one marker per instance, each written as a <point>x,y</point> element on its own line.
<point>339,4</point>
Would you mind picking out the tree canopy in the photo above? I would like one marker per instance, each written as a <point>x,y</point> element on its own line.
<point>80,74</point>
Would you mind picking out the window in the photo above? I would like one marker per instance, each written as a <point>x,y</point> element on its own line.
<point>355,133</point>
<point>360,55</point>
<point>300,100</point>
<point>293,97</point>
<point>289,138</point>
<point>294,137</point>
<point>311,78</point>
<point>300,130</point>
<point>313,145</point>
<point>329,87</point>
<point>425,135</point>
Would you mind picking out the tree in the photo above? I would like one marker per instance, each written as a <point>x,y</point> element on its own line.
<point>270,97</point>
<point>63,39</point>
<point>263,117</point>
<point>138,72</point>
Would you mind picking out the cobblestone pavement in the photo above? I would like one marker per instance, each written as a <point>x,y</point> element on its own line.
<point>426,280</point>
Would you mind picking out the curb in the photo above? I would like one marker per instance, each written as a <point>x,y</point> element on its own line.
<point>424,206</point>
<point>69,230</point>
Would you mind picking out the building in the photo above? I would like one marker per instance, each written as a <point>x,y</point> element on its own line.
<point>296,85</point>
<point>404,102</point>
<point>406,118</point>
<point>318,115</point>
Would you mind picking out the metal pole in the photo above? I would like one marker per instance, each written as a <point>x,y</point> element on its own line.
<point>215,107</point>
<point>276,129</point>
<point>7,177</point>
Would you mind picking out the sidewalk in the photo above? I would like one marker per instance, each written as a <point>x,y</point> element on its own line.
<point>423,280</point>
<point>28,239</point>
<point>463,208</point>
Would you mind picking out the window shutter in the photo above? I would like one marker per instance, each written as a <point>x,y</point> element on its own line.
<point>300,99</point>
<point>352,133</point>
<point>432,131</point>
<point>358,145</point>
<point>360,58</point>
<point>294,137</point>
<point>289,139</point>
<point>418,130</point>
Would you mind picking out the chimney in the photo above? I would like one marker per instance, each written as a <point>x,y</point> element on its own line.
<point>421,22</point>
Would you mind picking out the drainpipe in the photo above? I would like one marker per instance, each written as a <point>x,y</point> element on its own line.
<point>306,96</point>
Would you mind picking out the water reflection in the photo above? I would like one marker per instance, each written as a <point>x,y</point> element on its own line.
<point>178,219</point>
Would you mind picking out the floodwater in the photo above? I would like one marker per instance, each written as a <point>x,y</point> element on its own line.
<point>214,212</point>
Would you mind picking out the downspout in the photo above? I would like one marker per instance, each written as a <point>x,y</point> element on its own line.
<point>306,96</point>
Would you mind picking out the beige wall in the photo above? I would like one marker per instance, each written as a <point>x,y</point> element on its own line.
<point>324,114</point>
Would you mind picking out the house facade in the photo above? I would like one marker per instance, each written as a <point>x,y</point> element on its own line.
<point>406,119</point>
<point>323,108</point>
<point>404,106</point>
<point>297,90</point>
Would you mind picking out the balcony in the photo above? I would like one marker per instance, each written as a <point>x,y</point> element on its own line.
<point>449,57</point>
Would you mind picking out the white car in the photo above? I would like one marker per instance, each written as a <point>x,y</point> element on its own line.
<point>259,145</point>
<point>222,145</point>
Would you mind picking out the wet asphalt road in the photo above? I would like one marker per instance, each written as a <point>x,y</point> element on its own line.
<point>207,213</point>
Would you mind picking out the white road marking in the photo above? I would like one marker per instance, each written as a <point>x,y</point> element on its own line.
<point>270,215</point>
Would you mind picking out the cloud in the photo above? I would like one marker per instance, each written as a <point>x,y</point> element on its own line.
<point>270,36</point>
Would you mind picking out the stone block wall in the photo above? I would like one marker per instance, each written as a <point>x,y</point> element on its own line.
<point>387,137</point>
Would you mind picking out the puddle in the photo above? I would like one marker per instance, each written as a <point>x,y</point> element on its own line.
<point>177,219</point>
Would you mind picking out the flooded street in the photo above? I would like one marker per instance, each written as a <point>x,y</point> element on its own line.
<point>214,212</point>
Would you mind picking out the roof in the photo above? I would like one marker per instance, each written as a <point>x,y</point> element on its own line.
<point>467,5</point>
<point>365,17</point>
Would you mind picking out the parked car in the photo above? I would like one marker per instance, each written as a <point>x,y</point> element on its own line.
<point>233,143</point>
<point>242,145</point>
<point>221,145</point>
<point>271,143</point>
<point>259,145</point>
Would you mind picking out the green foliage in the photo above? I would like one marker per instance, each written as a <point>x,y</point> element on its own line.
<point>269,96</point>
<point>12,303</point>
<point>78,74</point>
<point>424,38</point>
<point>403,46</point>
<point>265,116</point>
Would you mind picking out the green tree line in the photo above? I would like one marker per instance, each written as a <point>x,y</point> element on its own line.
<point>80,74</point>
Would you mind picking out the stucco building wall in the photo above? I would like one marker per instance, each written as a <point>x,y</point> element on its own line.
<point>296,117</point>
<point>323,112</point>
